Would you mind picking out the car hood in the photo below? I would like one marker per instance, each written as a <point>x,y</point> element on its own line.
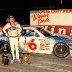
<point>60,36</point>
<point>55,37</point>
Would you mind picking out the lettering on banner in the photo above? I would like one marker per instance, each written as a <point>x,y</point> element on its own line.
<point>62,31</point>
<point>41,17</point>
<point>59,29</point>
<point>71,33</point>
<point>46,27</point>
<point>57,11</point>
<point>52,29</point>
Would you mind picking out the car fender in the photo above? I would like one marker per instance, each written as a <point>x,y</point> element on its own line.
<point>52,43</point>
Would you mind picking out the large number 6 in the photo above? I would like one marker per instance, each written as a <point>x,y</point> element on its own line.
<point>32,45</point>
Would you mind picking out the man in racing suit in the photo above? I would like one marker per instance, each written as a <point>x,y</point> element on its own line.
<point>12,31</point>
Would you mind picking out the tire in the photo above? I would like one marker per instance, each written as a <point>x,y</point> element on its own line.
<point>7,46</point>
<point>61,50</point>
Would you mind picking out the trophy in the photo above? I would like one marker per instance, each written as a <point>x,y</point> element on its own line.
<point>5,56</point>
<point>25,55</point>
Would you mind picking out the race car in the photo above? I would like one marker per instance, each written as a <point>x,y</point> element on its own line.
<point>40,40</point>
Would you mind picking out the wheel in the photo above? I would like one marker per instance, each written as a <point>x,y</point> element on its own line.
<point>61,50</point>
<point>2,46</point>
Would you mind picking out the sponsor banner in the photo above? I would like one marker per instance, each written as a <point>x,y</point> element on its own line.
<point>56,21</point>
<point>65,30</point>
<point>51,17</point>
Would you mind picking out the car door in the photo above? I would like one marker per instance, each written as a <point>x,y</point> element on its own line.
<point>30,39</point>
<point>36,42</point>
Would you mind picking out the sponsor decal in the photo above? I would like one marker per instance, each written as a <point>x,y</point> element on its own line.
<point>44,44</point>
<point>68,42</point>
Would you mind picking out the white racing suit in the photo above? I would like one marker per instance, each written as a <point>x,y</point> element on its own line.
<point>13,32</point>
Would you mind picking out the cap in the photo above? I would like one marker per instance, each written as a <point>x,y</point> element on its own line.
<point>11,16</point>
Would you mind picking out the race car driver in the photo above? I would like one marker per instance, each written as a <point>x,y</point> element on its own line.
<point>12,31</point>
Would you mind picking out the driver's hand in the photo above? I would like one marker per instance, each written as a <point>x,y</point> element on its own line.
<point>18,35</point>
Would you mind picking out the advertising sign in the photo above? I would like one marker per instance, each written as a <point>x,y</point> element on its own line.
<point>57,21</point>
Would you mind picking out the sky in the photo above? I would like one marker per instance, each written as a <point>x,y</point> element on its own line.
<point>21,8</point>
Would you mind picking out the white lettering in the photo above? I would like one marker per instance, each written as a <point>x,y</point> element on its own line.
<point>46,27</point>
<point>71,33</point>
<point>52,29</point>
<point>42,26</point>
<point>62,31</point>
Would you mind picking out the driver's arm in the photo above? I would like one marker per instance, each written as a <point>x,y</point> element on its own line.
<point>5,29</point>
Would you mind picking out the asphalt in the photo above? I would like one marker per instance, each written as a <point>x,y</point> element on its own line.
<point>40,63</point>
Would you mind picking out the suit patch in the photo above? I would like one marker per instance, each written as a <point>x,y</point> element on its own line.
<point>12,28</point>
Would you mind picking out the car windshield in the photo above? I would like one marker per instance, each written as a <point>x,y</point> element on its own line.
<point>43,31</point>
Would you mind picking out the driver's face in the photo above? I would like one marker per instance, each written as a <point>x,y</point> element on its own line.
<point>12,20</point>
